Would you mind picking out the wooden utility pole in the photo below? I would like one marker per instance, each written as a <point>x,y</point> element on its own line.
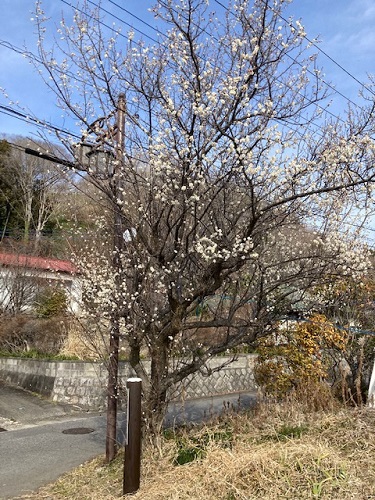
<point>118,244</point>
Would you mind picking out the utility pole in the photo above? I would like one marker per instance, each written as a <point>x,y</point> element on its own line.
<point>118,245</point>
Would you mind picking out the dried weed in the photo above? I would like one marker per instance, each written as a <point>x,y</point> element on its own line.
<point>276,452</point>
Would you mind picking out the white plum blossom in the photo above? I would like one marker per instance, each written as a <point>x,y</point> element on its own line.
<point>241,190</point>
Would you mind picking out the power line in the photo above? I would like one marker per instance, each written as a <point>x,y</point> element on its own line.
<point>32,56</point>
<point>154,29</point>
<point>40,123</point>
<point>37,60</point>
<point>318,106</point>
<point>312,42</point>
<point>215,38</point>
<point>295,130</point>
<point>22,52</point>
<point>133,15</point>
<point>71,166</point>
<point>27,118</point>
<point>75,7</point>
<point>301,65</point>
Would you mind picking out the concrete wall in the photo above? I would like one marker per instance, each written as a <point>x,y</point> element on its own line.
<point>84,384</point>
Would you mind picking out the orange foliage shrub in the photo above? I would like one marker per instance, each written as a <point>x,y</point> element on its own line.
<point>297,353</point>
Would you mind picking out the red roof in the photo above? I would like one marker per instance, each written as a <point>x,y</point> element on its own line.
<point>28,261</point>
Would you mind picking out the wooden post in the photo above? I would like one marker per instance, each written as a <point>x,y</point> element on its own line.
<point>132,462</point>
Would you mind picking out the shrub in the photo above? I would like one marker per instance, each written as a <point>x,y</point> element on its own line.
<point>23,334</point>
<point>51,302</point>
<point>297,354</point>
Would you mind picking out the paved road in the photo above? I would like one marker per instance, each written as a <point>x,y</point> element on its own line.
<point>35,456</point>
<point>19,408</point>
<point>35,451</point>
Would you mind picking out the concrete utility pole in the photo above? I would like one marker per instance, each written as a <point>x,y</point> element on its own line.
<point>118,244</point>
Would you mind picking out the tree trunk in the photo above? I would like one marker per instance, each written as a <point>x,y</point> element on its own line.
<point>28,209</point>
<point>155,407</point>
<point>358,377</point>
<point>155,404</point>
<point>112,390</point>
<point>41,222</point>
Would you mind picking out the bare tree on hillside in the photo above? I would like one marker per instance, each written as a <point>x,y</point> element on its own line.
<point>32,190</point>
<point>17,290</point>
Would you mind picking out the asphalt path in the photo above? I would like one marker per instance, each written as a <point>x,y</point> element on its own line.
<point>35,456</point>
<point>35,450</point>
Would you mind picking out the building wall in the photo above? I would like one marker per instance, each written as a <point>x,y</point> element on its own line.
<point>84,384</point>
<point>23,284</point>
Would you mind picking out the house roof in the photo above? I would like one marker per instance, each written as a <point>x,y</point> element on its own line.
<point>42,263</point>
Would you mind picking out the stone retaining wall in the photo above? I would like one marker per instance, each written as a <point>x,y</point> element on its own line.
<point>84,384</point>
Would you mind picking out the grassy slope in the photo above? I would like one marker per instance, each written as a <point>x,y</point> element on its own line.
<point>277,452</point>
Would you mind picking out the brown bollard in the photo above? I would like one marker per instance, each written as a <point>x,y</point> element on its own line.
<point>132,462</point>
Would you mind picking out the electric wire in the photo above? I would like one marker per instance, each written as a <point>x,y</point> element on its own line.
<point>79,174</point>
<point>215,38</point>
<point>163,35</point>
<point>73,76</point>
<point>28,54</point>
<point>37,121</point>
<point>322,80</point>
<point>318,106</point>
<point>295,130</point>
<point>312,42</point>
<point>76,8</point>
<point>133,15</point>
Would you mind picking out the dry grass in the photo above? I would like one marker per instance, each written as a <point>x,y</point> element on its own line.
<point>277,452</point>
<point>83,343</point>
<point>24,332</point>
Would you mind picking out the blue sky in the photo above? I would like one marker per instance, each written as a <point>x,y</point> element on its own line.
<point>345,28</point>
<point>346,31</point>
